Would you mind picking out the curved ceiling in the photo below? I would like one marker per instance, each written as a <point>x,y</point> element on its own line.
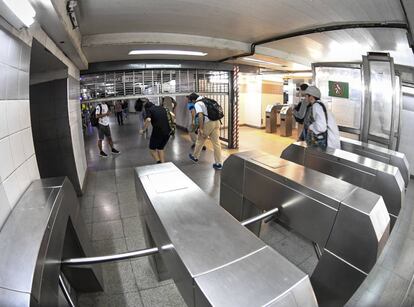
<point>109,29</point>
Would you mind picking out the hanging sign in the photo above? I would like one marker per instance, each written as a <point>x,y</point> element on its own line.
<point>339,89</point>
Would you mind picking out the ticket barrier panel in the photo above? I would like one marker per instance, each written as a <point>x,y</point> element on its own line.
<point>350,224</point>
<point>215,261</point>
<point>372,175</point>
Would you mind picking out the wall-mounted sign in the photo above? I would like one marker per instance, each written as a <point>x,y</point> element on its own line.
<point>339,89</point>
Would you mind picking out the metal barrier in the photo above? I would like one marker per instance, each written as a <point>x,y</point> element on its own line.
<point>378,153</point>
<point>215,260</point>
<point>44,227</point>
<point>349,223</point>
<point>374,176</point>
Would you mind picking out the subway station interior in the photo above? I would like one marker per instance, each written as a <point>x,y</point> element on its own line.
<point>273,220</point>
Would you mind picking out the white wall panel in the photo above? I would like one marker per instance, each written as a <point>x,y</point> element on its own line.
<point>3,119</point>
<point>6,165</point>
<point>17,149</point>
<point>4,205</point>
<point>13,116</point>
<point>28,143</point>
<point>12,188</point>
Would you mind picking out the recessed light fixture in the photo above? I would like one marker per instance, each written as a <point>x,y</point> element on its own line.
<point>173,52</point>
<point>260,61</point>
<point>23,10</point>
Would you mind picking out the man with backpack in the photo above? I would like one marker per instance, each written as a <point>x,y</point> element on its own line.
<point>162,122</point>
<point>323,131</point>
<point>102,114</point>
<point>209,113</point>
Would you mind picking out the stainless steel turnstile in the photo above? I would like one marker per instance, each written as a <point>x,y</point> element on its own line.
<point>350,224</point>
<point>214,260</point>
<point>372,175</point>
<point>44,227</point>
<point>378,153</point>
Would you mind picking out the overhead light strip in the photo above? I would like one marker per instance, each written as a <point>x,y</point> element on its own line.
<point>23,10</point>
<point>261,61</point>
<point>169,52</point>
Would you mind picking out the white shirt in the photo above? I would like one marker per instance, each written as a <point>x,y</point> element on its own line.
<point>200,107</point>
<point>103,108</point>
<point>319,125</point>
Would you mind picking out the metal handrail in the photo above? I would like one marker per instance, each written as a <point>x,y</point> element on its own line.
<point>65,291</point>
<point>259,217</point>
<point>116,257</point>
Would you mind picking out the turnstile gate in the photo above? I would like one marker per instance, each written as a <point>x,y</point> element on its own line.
<point>350,224</point>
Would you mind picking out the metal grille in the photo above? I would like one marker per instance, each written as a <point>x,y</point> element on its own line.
<point>154,84</point>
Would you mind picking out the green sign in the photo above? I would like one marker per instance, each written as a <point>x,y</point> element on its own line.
<point>339,89</point>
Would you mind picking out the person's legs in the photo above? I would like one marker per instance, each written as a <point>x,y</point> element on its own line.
<point>215,140</point>
<point>161,155</point>
<point>101,135</point>
<point>110,142</point>
<point>154,154</point>
<point>100,145</point>
<point>119,117</point>
<point>201,139</point>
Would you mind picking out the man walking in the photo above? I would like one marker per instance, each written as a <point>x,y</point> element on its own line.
<point>158,117</point>
<point>102,113</point>
<point>209,127</point>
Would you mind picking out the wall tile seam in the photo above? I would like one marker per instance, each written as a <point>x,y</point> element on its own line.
<point>21,130</point>
<point>14,67</point>
<point>33,155</point>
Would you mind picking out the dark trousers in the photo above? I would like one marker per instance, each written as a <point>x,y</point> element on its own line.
<point>120,118</point>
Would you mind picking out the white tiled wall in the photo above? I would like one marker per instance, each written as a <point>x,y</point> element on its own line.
<point>75,122</point>
<point>18,165</point>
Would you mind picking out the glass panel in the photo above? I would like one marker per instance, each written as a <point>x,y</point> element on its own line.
<point>381,99</point>
<point>346,109</point>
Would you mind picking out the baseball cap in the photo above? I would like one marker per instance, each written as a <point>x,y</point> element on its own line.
<point>313,91</point>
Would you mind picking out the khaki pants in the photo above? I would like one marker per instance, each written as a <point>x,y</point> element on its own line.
<point>212,130</point>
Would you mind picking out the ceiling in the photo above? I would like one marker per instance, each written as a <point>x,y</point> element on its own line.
<point>109,29</point>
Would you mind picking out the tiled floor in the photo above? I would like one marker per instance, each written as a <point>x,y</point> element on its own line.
<point>109,207</point>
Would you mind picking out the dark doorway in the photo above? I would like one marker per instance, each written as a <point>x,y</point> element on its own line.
<point>50,117</point>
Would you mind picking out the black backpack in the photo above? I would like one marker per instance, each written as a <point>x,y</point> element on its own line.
<point>139,105</point>
<point>214,110</point>
<point>93,119</point>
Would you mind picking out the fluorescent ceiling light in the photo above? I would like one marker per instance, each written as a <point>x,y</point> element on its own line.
<point>260,61</point>
<point>173,52</point>
<point>23,10</point>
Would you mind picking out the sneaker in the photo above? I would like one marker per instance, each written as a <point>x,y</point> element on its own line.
<point>114,151</point>
<point>217,166</point>
<point>194,159</point>
<point>158,162</point>
<point>204,148</point>
<point>103,154</point>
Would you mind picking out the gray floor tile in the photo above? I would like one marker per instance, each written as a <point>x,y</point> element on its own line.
<point>89,230</point>
<point>127,197</point>
<point>105,199</point>
<point>271,234</point>
<point>107,230</point>
<point>119,278</point>
<point>166,296</point>
<point>309,265</point>
<point>129,210</point>
<point>111,246</point>
<point>130,299</point>
<point>106,187</point>
<point>136,243</point>
<point>292,251</point>
<point>86,201</point>
<point>106,213</point>
<point>93,300</point>
<point>86,214</point>
<point>144,274</point>
<point>132,227</point>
